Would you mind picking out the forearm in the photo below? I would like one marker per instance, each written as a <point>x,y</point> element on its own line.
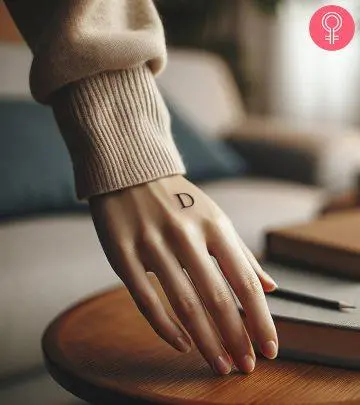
<point>94,62</point>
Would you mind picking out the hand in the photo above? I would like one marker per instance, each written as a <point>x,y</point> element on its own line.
<point>169,225</point>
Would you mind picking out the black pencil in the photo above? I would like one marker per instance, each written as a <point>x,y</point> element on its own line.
<point>310,299</point>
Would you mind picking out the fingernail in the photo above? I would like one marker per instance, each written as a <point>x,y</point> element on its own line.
<point>222,366</point>
<point>182,345</point>
<point>271,281</point>
<point>269,349</point>
<point>248,364</point>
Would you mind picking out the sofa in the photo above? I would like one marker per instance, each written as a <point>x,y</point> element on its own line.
<point>49,261</point>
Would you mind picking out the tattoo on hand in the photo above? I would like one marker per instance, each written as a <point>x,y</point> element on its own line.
<point>186,200</point>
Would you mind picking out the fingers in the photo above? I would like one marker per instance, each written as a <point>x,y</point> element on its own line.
<point>247,287</point>
<point>151,307</point>
<point>162,236</point>
<point>221,305</point>
<point>266,280</point>
<point>188,306</point>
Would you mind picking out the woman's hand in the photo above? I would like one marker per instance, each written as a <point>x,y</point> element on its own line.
<point>169,225</point>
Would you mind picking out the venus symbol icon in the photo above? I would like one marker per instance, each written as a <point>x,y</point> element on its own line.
<point>332,28</point>
<point>332,23</point>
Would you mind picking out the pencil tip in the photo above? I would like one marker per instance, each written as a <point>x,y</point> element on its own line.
<point>345,305</point>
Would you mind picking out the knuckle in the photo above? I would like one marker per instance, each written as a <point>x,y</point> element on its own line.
<point>176,226</point>
<point>126,249</point>
<point>218,220</point>
<point>252,286</point>
<point>188,305</point>
<point>220,300</point>
<point>149,238</point>
<point>182,230</point>
<point>223,221</point>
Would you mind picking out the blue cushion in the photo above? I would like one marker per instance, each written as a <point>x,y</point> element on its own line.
<point>205,158</point>
<point>35,168</point>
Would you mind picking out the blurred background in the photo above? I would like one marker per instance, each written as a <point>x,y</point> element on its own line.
<point>268,125</point>
<point>265,42</point>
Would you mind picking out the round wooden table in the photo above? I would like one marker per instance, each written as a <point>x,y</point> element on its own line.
<point>104,352</point>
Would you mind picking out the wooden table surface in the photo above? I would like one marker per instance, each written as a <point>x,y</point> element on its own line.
<point>103,351</point>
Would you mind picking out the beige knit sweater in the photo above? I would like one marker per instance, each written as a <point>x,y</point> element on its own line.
<point>94,62</point>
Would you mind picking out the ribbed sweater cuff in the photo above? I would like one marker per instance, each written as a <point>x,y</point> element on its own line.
<point>117,129</point>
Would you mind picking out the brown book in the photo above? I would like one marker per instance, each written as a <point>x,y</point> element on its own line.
<point>311,333</point>
<point>330,244</point>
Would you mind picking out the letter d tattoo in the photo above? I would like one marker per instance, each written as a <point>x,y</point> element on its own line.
<point>185,202</point>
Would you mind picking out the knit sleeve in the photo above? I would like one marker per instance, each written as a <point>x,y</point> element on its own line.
<point>94,62</point>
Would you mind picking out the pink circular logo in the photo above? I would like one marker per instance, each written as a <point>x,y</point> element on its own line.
<point>332,28</point>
